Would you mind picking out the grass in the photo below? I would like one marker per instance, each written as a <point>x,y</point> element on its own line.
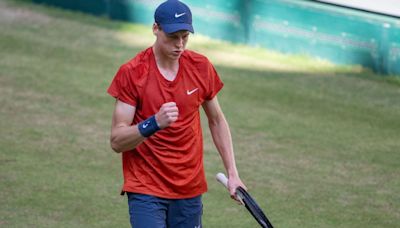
<point>316,144</point>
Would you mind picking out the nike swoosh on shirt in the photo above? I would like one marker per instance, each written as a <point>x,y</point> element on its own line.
<point>189,92</point>
<point>179,15</point>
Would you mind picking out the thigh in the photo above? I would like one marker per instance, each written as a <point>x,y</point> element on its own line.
<point>147,211</point>
<point>185,213</point>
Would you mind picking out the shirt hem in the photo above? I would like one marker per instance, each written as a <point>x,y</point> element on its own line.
<point>165,196</point>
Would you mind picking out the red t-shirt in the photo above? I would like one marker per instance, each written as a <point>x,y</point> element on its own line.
<point>169,163</point>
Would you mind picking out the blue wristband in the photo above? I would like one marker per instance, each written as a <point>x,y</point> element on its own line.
<point>148,127</point>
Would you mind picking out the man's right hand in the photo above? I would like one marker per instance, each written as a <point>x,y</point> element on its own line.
<point>167,114</point>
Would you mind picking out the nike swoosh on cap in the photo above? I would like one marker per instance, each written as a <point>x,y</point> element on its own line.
<point>179,15</point>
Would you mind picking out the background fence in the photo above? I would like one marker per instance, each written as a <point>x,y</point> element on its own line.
<point>339,34</point>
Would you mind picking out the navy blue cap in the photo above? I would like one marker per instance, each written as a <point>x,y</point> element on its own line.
<point>174,16</point>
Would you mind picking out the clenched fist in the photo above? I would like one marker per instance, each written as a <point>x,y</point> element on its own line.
<point>167,114</point>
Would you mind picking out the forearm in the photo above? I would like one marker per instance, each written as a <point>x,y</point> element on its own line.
<point>223,141</point>
<point>125,138</point>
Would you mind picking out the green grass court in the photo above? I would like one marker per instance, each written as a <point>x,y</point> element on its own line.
<point>316,144</point>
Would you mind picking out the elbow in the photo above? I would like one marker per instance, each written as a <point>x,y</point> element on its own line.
<point>213,121</point>
<point>115,146</point>
<point>216,121</point>
<point>115,149</point>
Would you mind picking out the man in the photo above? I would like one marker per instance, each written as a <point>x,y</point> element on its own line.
<point>156,124</point>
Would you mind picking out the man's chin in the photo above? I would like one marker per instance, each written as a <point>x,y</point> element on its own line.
<point>175,56</point>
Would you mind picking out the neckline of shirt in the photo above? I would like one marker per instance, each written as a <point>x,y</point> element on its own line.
<point>162,78</point>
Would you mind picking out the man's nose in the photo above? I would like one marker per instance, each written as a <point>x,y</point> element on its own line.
<point>179,42</point>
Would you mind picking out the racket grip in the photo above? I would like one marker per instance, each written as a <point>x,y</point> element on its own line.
<point>222,179</point>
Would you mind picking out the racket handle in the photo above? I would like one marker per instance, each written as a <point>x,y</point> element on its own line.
<point>222,179</point>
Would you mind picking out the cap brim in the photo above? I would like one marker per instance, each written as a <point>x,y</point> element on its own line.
<point>171,28</point>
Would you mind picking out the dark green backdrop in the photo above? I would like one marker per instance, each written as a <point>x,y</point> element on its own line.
<point>341,35</point>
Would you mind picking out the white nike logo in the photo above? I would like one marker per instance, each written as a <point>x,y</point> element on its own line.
<point>145,125</point>
<point>179,15</point>
<point>191,91</point>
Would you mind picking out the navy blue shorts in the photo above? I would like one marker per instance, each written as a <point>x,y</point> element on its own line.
<point>155,212</point>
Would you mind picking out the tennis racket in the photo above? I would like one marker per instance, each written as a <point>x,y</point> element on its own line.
<point>248,202</point>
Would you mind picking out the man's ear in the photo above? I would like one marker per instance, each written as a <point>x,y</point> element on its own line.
<point>156,28</point>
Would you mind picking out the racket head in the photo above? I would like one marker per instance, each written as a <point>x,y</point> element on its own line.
<point>253,208</point>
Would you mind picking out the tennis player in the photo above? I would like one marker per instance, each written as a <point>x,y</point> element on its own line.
<point>156,125</point>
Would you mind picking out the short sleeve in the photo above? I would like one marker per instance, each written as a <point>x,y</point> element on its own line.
<point>123,87</point>
<point>215,83</point>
